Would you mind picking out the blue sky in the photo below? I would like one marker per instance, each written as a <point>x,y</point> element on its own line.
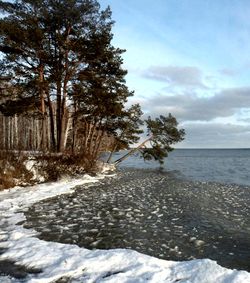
<point>190,58</point>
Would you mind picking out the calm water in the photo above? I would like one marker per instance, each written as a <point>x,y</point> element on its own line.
<point>219,165</point>
<point>164,213</point>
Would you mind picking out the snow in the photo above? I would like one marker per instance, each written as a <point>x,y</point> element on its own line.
<point>77,264</point>
<point>31,165</point>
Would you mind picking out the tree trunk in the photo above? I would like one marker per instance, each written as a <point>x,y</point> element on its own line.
<point>58,115</point>
<point>62,133</point>
<point>42,98</point>
<point>98,142</point>
<point>132,151</point>
<point>67,127</point>
<point>111,152</point>
<point>63,120</point>
<point>90,146</point>
<point>74,129</point>
<point>74,133</point>
<point>52,124</point>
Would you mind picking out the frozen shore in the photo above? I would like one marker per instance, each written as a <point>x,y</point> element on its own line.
<point>74,264</point>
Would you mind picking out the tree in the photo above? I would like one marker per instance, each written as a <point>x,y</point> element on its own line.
<point>71,25</point>
<point>127,129</point>
<point>100,96</point>
<point>22,42</point>
<point>162,132</point>
<point>64,70</point>
<point>54,49</point>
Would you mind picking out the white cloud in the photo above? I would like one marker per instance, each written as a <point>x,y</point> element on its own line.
<point>186,76</point>
<point>216,135</point>
<point>191,107</point>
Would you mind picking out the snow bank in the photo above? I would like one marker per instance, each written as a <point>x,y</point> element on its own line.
<point>31,166</point>
<point>81,265</point>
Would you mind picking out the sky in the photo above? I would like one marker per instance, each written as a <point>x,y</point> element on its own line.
<point>190,58</point>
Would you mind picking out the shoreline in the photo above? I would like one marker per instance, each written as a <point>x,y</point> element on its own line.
<point>72,261</point>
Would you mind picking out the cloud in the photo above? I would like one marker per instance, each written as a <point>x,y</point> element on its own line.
<point>229,72</point>
<point>215,135</point>
<point>191,107</point>
<point>212,117</point>
<point>187,76</point>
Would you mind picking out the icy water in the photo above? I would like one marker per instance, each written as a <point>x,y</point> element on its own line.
<point>163,213</point>
<point>217,165</point>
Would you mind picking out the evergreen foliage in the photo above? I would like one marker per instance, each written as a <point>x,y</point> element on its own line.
<point>63,69</point>
<point>163,133</point>
<point>60,53</point>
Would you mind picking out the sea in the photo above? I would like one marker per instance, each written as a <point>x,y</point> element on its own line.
<point>216,165</point>
<point>197,205</point>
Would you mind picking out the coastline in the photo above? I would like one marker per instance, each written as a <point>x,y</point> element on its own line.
<point>71,261</point>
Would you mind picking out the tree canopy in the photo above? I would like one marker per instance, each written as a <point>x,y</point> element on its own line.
<point>163,132</point>
<point>63,69</point>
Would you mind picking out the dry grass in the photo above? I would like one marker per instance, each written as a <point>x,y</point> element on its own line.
<point>51,166</point>
<point>13,170</point>
<point>55,166</point>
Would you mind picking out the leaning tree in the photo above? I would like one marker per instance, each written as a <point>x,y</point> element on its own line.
<point>162,133</point>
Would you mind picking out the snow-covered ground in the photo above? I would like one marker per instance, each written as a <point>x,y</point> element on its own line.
<point>71,263</point>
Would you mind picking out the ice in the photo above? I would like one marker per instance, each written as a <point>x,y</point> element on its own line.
<point>57,261</point>
<point>199,243</point>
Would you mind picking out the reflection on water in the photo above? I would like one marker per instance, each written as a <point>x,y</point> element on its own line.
<point>155,213</point>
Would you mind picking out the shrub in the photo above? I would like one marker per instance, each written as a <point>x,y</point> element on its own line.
<point>53,166</point>
<point>13,170</point>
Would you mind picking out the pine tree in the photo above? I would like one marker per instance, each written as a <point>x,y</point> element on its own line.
<point>162,132</point>
<point>51,46</point>
<point>127,129</point>
<point>100,92</point>
<point>64,69</point>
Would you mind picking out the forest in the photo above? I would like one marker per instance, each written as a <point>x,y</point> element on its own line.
<point>62,84</point>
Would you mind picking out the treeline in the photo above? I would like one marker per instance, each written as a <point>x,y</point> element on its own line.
<point>20,133</point>
<point>23,133</point>
<point>62,80</point>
